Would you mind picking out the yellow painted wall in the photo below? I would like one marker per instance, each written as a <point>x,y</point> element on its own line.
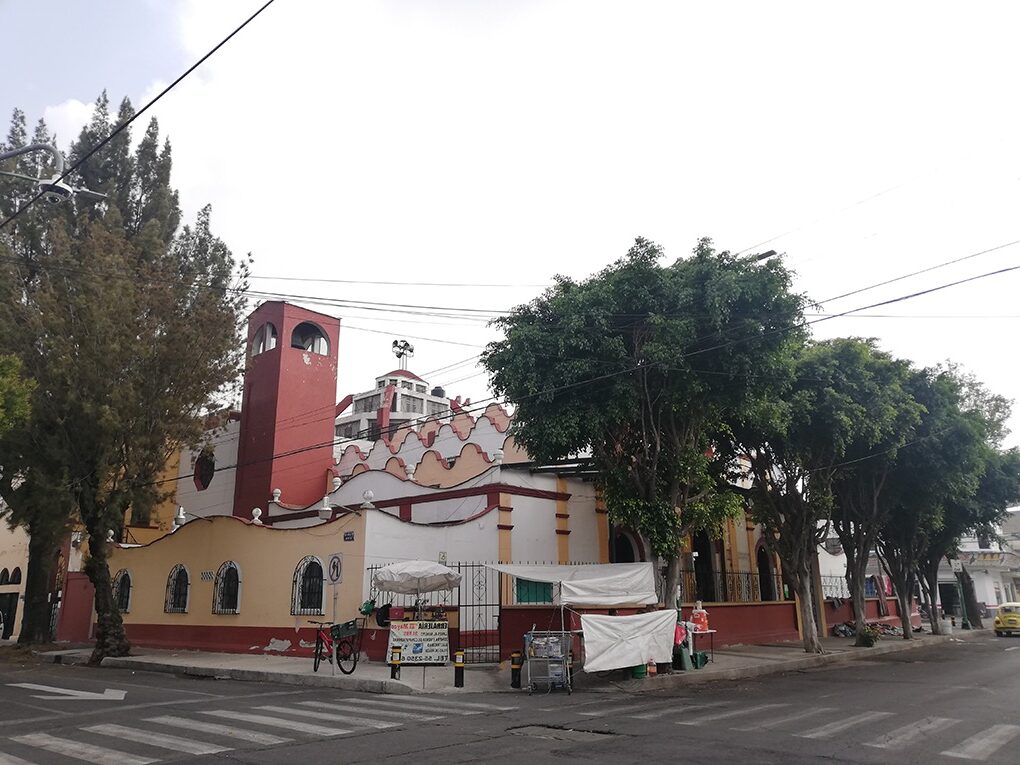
<point>267,558</point>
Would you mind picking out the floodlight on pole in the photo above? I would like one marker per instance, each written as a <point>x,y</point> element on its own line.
<point>53,189</point>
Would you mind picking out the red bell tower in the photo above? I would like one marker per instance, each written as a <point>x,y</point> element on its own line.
<point>289,407</point>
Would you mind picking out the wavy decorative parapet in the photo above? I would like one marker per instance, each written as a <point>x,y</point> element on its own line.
<point>449,452</point>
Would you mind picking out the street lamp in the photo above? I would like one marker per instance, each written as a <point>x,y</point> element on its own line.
<point>53,190</point>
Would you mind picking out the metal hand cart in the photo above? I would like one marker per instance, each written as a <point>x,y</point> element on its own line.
<point>549,660</point>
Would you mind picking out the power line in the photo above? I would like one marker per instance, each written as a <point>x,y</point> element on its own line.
<point>139,113</point>
<point>395,284</point>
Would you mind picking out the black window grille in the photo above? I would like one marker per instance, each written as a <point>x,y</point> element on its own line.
<point>227,590</point>
<point>122,591</point>
<point>306,592</point>
<point>5,577</point>
<point>16,576</point>
<point>177,591</point>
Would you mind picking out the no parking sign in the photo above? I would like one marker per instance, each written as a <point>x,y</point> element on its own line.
<point>335,568</point>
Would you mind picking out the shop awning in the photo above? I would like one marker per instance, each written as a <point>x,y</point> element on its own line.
<point>592,584</point>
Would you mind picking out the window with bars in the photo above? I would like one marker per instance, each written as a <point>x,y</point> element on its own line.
<point>411,404</point>
<point>227,589</point>
<point>306,590</point>
<point>122,590</point>
<point>177,586</point>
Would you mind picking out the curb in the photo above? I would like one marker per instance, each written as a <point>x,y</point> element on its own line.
<point>775,668</point>
<point>364,685</point>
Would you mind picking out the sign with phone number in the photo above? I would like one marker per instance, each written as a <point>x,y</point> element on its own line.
<point>421,642</point>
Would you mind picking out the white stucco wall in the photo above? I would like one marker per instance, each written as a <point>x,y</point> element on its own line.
<point>218,499</point>
<point>14,554</point>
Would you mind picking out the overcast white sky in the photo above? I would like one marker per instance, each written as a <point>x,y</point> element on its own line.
<point>502,142</point>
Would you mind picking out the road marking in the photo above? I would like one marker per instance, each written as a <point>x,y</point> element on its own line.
<point>985,743</point>
<point>908,734</point>
<point>363,721</point>
<point>841,725</point>
<point>431,707</point>
<point>356,707</point>
<point>241,734</point>
<point>1013,647</point>
<point>277,722</point>
<point>775,722</point>
<point>688,706</point>
<point>621,710</point>
<point>730,713</point>
<point>79,751</point>
<point>162,740</point>
<point>110,694</point>
<point>10,759</point>
<point>444,702</point>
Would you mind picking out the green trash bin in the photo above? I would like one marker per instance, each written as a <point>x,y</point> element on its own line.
<point>640,672</point>
<point>700,659</point>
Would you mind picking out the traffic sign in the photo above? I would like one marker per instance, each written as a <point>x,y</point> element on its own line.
<point>335,569</point>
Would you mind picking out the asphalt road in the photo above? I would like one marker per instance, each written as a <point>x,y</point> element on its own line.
<point>949,703</point>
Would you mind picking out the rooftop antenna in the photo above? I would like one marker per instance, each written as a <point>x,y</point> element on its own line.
<point>402,350</point>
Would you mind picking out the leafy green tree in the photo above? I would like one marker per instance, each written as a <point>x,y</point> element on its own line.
<point>940,466</point>
<point>15,393</point>
<point>788,450</point>
<point>640,366</point>
<point>131,331</point>
<point>878,386</point>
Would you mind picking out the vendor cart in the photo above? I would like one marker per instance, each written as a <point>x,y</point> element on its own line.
<point>549,660</point>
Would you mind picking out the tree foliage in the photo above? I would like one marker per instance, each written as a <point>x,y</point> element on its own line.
<point>641,366</point>
<point>130,329</point>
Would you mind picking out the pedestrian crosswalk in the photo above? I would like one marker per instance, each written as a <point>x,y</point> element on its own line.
<point>878,729</point>
<point>214,731</point>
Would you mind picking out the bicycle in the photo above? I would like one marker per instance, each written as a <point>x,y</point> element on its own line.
<point>334,639</point>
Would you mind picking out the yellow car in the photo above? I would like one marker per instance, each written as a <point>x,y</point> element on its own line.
<point>1007,619</point>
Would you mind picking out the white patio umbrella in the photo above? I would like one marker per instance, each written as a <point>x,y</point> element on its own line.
<point>413,577</point>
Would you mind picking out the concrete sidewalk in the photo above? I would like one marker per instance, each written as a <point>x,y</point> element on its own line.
<point>731,663</point>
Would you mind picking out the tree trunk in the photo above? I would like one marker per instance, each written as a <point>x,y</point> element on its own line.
<point>930,588</point>
<point>970,600</point>
<point>35,620</point>
<point>855,579</point>
<point>805,602</point>
<point>110,638</point>
<point>903,600</point>
<point>672,584</point>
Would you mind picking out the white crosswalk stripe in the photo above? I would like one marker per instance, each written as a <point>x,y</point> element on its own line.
<point>910,734</point>
<point>162,740</point>
<point>446,701</point>
<point>839,726</point>
<point>356,707</point>
<point>98,754</point>
<point>688,706</point>
<point>363,722</point>
<point>10,759</point>
<point>278,722</point>
<point>985,743</point>
<point>429,708</point>
<point>240,734</point>
<point>699,719</point>
<point>624,710</point>
<point>775,722</point>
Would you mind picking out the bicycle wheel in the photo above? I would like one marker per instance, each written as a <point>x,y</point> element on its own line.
<point>346,657</point>
<point>319,651</point>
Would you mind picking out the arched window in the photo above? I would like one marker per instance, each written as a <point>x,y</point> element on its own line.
<point>177,586</point>
<point>122,591</point>
<point>227,590</point>
<point>16,576</point>
<point>205,469</point>
<point>264,339</point>
<point>306,592</point>
<point>308,337</point>
<point>5,577</point>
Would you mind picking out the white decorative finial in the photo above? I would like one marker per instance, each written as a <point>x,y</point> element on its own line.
<point>276,495</point>
<point>368,496</point>
<point>256,516</point>
<point>109,536</point>
<point>179,519</point>
<point>325,512</point>
<point>410,472</point>
<point>336,482</point>
<point>497,456</point>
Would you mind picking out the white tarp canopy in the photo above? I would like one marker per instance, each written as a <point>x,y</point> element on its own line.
<point>614,642</point>
<point>413,577</point>
<point>592,584</point>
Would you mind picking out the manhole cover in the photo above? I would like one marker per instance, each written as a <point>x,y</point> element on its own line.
<point>558,734</point>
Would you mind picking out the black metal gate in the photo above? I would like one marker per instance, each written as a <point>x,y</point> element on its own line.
<point>477,600</point>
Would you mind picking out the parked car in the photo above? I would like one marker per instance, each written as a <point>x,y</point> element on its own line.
<point>1007,619</point>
